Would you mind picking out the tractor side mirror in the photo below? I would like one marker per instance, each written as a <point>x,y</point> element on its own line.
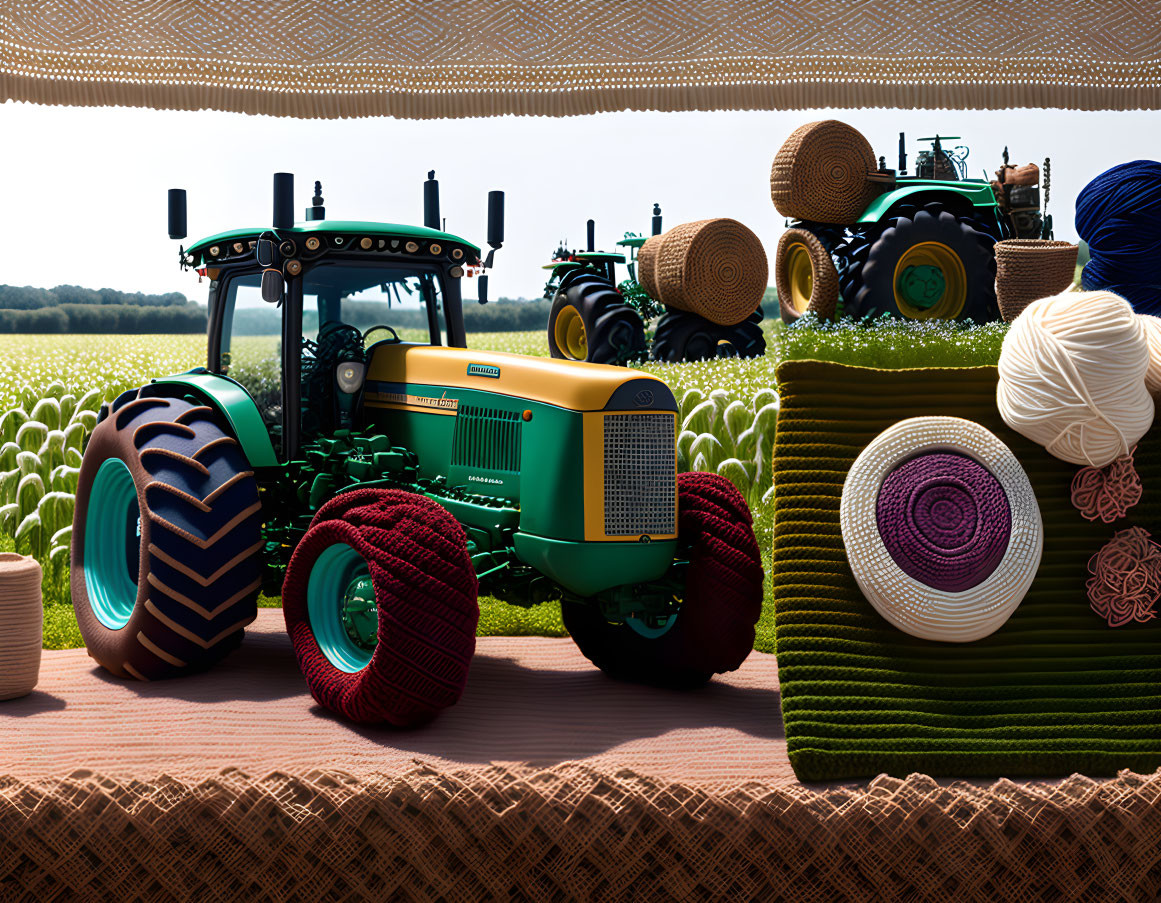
<point>482,286</point>
<point>272,286</point>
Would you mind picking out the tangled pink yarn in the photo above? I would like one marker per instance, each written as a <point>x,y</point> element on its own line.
<point>1107,492</point>
<point>1126,578</point>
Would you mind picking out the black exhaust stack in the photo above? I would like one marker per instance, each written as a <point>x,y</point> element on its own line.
<point>284,200</point>
<point>902,155</point>
<point>177,224</point>
<point>591,229</point>
<point>316,211</point>
<point>431,201</point>
<point>656,219</point>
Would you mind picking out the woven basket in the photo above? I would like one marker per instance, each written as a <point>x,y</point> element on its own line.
<point>1028,269</point>
<point>647,265</point>
<point>21,624</point>
<point>820,174</point>
<point>715,268</point>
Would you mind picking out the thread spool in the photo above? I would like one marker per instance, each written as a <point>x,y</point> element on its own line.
<point>1072,377</point>
<point>21,624</point>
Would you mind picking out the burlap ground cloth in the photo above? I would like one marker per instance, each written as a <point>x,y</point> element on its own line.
<point>547,782</point>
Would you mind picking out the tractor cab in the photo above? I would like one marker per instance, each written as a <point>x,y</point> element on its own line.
<point>296,310</point>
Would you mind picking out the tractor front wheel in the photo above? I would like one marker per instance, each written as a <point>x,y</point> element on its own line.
<point>590,321</point>
<point>380,604</point>
<point>684,336</point>
<point>713,630</point>
<point>166,539</point>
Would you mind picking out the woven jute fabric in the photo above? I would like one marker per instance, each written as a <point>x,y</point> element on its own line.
<point>570,57</point>
<point>715,268</point>
<point>1028,269</point>
<point>1054,690</point>
<point>572,833</point>
<point>820,173</point>
<point>647,265</point>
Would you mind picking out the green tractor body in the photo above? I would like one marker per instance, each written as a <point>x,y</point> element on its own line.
<point>560,475</point>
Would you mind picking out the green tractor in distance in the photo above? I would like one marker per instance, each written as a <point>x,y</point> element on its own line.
<point>866,241</point>
<point>379,485</point>
<point>595,317</point>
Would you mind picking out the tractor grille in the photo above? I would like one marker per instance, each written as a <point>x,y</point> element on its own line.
<point>640,475</point>
<point>487,438</point>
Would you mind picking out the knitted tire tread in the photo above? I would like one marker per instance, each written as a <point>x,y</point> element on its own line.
<point>714,629</point>
<point>200,528</point>
<point>682,336</point>
<point>425,590</point>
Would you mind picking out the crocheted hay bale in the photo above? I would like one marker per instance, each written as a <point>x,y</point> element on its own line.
<point>647,265</point>
<point>820,174</point>
<point>715,268</point>
<point>1028,269</point>
<point>941,528</point>
<point>818,288</point>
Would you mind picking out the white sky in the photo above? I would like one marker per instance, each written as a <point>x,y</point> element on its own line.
<point>83,189</point>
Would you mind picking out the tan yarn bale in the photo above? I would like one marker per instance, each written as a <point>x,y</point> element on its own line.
<point>715,268</point>
<point>647,265</point>
<point>21,624</point>
<point>820,174</point>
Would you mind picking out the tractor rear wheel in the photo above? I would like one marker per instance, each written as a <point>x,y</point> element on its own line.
<point>683,336</point>
<point>922,263</point>
<point>166,539</point>
<point>713,630</point>
<point>380,604</point>
<point>804,274</point>
<point>590,321</point>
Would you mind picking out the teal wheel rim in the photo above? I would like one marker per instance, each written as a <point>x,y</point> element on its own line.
<point>112,544</point>
<point>641,627</point>
<point>337,606</point>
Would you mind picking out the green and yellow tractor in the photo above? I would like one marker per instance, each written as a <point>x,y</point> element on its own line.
<point>865,241</point>
<point>379,485</point>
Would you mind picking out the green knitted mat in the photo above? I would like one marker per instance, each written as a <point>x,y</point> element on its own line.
<point>1055,690</point>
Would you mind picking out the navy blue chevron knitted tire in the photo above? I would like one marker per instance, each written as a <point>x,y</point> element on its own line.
<point>166,539</point>
<point>714,628</point>
<point>425,594</point>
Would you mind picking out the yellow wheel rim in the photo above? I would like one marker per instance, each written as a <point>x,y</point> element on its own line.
<point>800,275</point>
<point>569,332</point>
<point>930,282</point>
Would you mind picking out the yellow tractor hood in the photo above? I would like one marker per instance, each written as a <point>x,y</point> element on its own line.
<point>574,385</point>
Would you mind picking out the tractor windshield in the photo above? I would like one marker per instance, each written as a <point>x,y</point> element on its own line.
<point>343,304</point>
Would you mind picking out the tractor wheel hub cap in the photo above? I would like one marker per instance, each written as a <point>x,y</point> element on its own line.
<point>358,612</point>
<point>922,286</point>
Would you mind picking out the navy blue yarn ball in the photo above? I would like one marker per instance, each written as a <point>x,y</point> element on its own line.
<point>1119,214</point>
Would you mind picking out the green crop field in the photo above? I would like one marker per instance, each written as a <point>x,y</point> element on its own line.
<point>52,386</point>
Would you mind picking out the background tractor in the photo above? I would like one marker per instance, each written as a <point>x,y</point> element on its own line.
<point>864,241</point>
<point>379,485</point>
<point>594,317</point>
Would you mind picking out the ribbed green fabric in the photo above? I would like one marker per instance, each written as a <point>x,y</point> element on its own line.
<point>1055,690</point>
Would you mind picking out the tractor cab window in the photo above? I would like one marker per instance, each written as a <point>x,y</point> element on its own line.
<point>249,347</point>
<point>347,309</point>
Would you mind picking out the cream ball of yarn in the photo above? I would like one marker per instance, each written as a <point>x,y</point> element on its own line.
<point>1072,377</point>
<point>1153,335</point>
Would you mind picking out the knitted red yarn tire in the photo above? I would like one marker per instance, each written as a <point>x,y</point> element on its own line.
<point>714,629</point>
<point>425,589</point>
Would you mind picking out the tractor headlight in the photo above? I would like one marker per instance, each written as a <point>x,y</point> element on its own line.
<point>349,376</point>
